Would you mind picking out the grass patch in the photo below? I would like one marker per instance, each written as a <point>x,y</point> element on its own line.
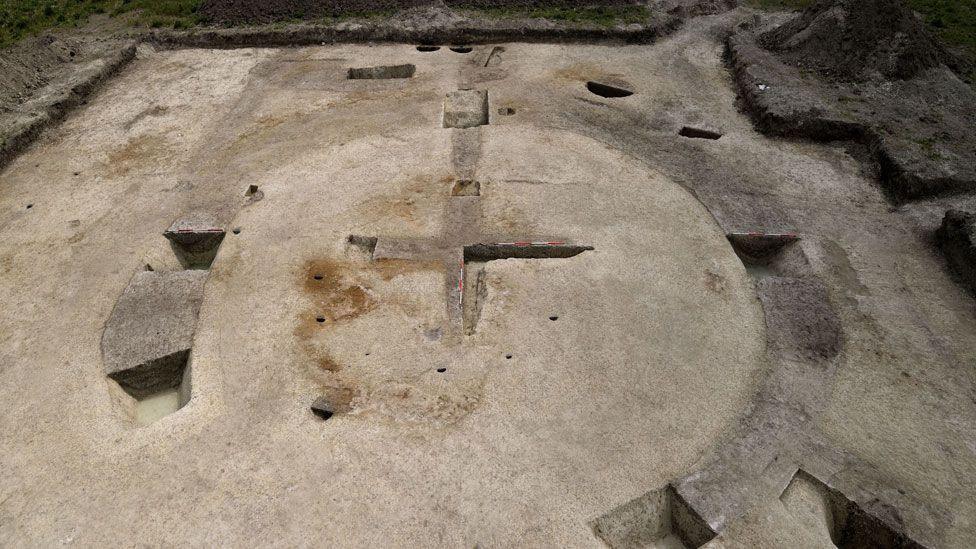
<point>953,20</point>
<point>604,16</point>
<point>22,18</point>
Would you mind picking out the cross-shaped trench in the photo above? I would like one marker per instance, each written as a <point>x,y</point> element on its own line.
<point>464,248</point>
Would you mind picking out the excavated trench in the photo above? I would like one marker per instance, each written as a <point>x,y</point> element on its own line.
<point>382,73</point>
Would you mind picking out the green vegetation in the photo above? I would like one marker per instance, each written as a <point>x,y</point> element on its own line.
<point>953,20</point>
<point>20,18</point>
<point>605,16</point>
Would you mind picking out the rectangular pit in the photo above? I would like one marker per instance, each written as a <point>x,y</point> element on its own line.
<point>659,518</point>
<point>466,109</point>
<point>699,133</point>
<point>769,254</point>
<point>385,72</point>
<point>158,388</point>
<point>849,526</point>
<point>195,240</point>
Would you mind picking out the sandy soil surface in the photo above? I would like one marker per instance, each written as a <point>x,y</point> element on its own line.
<point>588,381</point>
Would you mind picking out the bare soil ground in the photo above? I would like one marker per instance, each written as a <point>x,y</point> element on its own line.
<point>666,362</point>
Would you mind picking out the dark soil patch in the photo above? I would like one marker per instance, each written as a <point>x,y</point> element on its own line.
<point>699,133</point>
<point>382,73</point>
<point>859,40</point>
<point>957,239</point>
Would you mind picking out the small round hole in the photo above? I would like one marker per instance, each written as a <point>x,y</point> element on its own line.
<point>462,49</point>
<point>367,354</point>
<point>553,318</point>
<point>320,319</point>
<point>236,230</point>
<point>508,357</point>
<point>427,48</point>
<point>77,173</point>
<point>441,370</point>
<point>317,277</point>
<point>29,206</point>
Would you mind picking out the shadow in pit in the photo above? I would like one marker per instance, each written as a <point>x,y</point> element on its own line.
<point>385,72</point>
<point>849,526</point>
<point>195,240</point>
<point>801,323</point>
<point>659,518</point>
<point>157,388</point>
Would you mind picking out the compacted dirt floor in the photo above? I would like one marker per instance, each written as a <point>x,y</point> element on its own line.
<point>483,392</point>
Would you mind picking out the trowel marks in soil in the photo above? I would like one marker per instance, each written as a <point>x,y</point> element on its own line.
<point>660,518</point>
<point>383,72</point>
<point>606,90</point>
<point>821,508</point>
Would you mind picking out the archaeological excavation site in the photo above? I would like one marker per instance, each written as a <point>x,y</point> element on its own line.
<point>488,274</point>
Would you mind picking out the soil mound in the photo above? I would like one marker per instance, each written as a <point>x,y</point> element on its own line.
<point>36,61</point>
<point>238,12</point>
<point>859,40</point>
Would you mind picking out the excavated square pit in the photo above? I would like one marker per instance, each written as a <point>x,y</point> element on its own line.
<point>382,73</point>
<point>660,518</point>
<point>767,255</point>
<point>159,388</point>
<point>821,508</point>
<point>466,109</point>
